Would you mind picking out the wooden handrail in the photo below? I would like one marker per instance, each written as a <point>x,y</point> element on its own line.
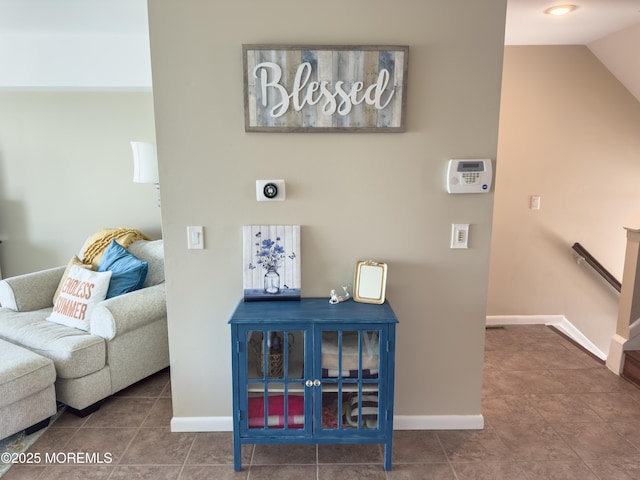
<point>597,266</point>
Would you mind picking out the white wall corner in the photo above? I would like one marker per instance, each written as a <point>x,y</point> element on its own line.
<point>615,359</point>
<point>558,321</point>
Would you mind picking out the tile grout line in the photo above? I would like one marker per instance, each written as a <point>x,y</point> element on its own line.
<point>186,457</point>
<point>446,455</point>
<point>138,430</point>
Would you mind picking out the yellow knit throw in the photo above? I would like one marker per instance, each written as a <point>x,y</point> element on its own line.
<point>98,243</point>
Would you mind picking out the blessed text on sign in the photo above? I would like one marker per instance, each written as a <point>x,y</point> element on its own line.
<point>325,88</point>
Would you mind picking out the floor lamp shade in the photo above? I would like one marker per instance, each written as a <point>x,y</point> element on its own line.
<point>145,162</point>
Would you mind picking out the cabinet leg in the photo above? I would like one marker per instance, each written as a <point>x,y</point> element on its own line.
<point>237,455</point>
<point>387,456</point>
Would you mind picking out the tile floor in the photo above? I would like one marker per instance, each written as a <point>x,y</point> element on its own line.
<point>551,412</point>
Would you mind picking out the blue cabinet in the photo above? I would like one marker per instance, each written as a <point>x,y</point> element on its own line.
<point>311,372</point>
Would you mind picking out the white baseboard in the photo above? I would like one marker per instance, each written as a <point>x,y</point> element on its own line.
<point>438,422</point>
<point>572,332</point>
<point>419,422</point>
<point>633,343</point>
<point>202,424</point>
<point>400,422</point>
<point>498,320</point>
<point>558,321</point>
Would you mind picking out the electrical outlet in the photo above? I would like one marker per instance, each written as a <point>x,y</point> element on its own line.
<point>459,235</point>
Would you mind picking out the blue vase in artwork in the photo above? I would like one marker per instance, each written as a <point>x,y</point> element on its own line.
<point>272,281</point>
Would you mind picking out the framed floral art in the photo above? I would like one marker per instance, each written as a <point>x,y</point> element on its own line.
<point>271,262</point>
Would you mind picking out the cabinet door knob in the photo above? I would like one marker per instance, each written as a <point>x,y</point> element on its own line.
<point>309,383</point>
<point>316,383</point>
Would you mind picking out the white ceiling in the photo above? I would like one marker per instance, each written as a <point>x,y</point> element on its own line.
<point>527,24</point>
<point>115,39</point>
<point>73,17</point>
<point>74,45</point>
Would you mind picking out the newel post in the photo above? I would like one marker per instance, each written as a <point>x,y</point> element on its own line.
<point>629,306</point>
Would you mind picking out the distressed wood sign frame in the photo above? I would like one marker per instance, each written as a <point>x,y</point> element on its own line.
<point>310,88</point>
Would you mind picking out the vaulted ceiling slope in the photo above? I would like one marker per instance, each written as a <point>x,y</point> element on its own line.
<point>620,52</point>
<point>609,28</point>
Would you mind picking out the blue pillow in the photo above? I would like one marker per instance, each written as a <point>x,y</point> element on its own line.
<point>128,272</point>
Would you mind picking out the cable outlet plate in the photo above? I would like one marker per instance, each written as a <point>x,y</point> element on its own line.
<point>459,235</point>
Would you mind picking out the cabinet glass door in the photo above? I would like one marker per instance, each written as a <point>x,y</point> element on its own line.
<point>350,379</point>
<point>275,381</point>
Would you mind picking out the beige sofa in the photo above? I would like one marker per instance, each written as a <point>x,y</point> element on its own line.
<point>27,393</point>
<point>126,342</point>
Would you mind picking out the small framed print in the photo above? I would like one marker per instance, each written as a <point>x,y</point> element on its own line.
<point>370,282</point>
<point>271,257</point>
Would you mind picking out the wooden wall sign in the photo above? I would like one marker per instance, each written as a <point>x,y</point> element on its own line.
<point>324,88</point>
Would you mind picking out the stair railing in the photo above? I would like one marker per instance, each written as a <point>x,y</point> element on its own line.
<point>584,254</point>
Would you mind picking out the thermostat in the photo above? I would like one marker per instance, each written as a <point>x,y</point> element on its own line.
<point>469,176</point>
<point>270,190</point>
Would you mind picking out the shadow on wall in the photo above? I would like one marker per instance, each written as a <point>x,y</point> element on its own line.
<point>17,256</point>
<point>589,275</point>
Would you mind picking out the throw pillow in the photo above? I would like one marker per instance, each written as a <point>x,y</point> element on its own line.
<point>128,272</point>
<point>151,252</point>
<point>79,294</point>
<point>95,246</point>
<point>74,261</point>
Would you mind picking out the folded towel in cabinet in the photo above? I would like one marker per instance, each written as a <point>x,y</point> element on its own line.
<point>366,407</point>
<point>295,413</point>
<point>295,421</point>
<point>370,349</point>
<point>333,372</point>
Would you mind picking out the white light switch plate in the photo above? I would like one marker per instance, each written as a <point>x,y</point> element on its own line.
<point>195,238</point>
<point>534,202</point>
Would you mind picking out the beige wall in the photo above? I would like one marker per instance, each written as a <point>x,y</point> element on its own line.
<point>569,131</point>
<point>66,170</point>
<point>356,196</point>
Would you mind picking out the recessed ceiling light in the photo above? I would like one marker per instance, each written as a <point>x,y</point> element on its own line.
<point>560,10</point>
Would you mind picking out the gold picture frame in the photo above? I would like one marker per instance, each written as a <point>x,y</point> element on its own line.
<point>370,282</point>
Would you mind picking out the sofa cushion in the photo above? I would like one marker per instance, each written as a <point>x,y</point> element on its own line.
<point>80,293</point>
<point>75,353</point>
<point>151,252</point>
<point>22,373</point>
<point>128,272</point>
